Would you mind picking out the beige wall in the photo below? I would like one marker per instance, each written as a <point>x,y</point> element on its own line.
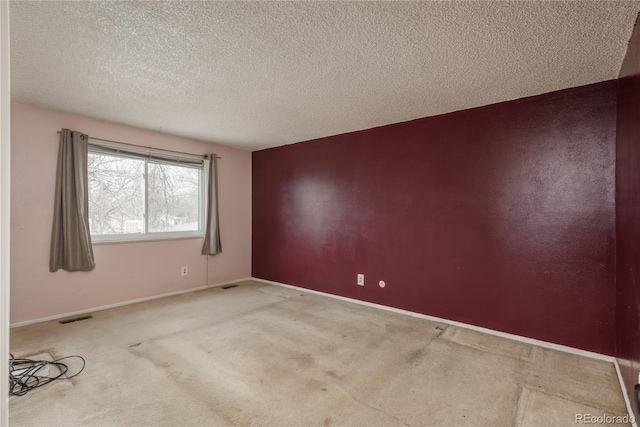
<point>124,271</point>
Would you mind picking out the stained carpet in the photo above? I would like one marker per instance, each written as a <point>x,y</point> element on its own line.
<point>264,355</point>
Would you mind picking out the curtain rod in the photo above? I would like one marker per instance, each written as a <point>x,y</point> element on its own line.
<point>148,147</point>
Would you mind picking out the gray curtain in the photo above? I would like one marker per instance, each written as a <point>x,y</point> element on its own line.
<point>70,237</point>
<point>212,245</point>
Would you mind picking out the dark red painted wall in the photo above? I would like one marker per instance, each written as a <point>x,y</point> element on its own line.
<point>499,216</point>
<point>628,216</point>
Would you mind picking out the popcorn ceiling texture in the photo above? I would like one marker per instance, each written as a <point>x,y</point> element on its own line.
<point>261,74</point>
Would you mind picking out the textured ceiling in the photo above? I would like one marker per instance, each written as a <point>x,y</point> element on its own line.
<point>260,74</point>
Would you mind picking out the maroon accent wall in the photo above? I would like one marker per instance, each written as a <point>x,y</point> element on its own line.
<point>500,216</point>
<point>628,217</point>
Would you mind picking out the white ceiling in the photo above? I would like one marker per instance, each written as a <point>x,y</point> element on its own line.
<point>261,74</point>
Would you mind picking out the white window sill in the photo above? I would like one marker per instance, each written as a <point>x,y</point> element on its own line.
<point>160,237</point>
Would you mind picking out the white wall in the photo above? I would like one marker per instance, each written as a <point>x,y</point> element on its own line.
<point>5,140</point>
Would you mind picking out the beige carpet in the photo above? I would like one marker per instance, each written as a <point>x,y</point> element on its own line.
<point>266,355</point>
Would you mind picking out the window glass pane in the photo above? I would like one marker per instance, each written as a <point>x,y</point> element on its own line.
<point>116,194</point>
<point>174,197</point>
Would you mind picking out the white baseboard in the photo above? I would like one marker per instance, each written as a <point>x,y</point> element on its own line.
<point>120,304</point>
<point>526,340</point>
<point>624,393</point>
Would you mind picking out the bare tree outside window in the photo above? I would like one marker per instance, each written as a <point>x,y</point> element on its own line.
<point>116,194</point>
<point>174,197</point>
<point>120,195</point>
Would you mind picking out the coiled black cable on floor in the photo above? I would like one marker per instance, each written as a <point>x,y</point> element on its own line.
<point>26,374</point>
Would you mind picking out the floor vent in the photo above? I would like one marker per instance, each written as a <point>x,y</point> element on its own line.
<point>229,286</point>
<point>75,319</point>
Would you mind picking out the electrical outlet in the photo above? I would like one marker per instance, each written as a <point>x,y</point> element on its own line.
<point>360,280</point>
<point>184,271</point>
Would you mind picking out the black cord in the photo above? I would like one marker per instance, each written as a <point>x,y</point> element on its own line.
<point>24,373</point>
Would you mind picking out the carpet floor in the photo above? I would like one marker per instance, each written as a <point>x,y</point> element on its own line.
<point>265,355</point>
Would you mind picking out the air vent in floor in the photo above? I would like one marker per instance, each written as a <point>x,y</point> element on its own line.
<point>75,319</point>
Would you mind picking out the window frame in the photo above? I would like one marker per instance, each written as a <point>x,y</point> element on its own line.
<point>147,156</point>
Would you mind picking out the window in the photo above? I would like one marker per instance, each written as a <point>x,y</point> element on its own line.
<point>142,196</point>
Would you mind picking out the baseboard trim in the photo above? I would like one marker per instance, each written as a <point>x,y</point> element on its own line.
<point>532,341</point>
<point>624,393</point>
<point>123,303</point>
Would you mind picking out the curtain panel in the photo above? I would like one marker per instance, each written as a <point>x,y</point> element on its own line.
<point>71,248</point>
<point>212,244</point>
